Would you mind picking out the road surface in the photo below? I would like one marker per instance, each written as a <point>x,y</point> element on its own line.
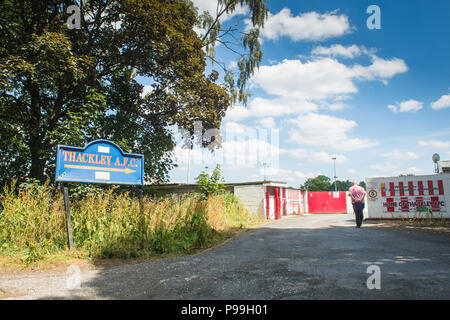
<point>299,257</point>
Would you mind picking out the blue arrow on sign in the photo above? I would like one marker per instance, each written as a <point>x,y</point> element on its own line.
<point>100,161</point>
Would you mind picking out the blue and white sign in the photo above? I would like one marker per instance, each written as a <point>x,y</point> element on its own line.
<point>100,161</point>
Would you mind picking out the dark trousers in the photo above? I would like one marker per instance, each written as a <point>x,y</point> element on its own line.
<point>358,207</point>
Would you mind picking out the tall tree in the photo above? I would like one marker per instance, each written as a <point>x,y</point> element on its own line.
<point>319,183</point>
<point>342,185</point>
<point>61,85</point>
<point>242,41</point>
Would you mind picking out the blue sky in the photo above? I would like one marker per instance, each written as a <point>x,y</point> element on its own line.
<point>378,100</point>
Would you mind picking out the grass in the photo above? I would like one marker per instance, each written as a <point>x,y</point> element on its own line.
<point>111,226</point>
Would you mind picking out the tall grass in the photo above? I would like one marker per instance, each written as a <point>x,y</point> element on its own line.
<point>107,224</point>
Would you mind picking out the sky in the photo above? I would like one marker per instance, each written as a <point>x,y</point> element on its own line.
<point>377,100</point>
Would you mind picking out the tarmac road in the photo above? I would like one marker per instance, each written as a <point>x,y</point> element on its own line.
<point>299,257</point>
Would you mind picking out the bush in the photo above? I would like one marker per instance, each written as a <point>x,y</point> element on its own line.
<point>107,224</point>
<point>210,184</point>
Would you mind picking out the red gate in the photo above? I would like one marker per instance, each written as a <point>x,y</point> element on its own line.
<point>327,202</point>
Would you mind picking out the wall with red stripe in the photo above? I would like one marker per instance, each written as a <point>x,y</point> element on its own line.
<point>409,197</point>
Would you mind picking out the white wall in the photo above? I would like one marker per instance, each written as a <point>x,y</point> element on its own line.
<point>252,196</point>
<point>404,206</point>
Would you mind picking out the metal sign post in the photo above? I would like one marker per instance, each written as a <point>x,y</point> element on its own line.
<point>68,219</point>
<point>100,161</point>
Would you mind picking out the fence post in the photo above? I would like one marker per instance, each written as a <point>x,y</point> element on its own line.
<point>68,219</point>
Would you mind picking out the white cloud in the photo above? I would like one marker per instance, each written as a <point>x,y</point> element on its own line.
<point>434,143</point>
<point>380,69</point>
<point>211,7</point>
<point>322,78</point>
<point>338,50</point>
<point>384,167</point>
<point>442,103</point>
<point>323,130</point>
<point>414,170</point>
<point>293,176</point>
<point>234,127</point>
<point>400,155</point>
<point>406,106</point>
<point>268,123</point>
<point>318,79</point>
<point>306,26</point>
<point>313,156</point>
<point>261,107</point>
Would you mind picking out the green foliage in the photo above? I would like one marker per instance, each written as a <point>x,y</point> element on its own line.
<point>363,184</point>
<point>323,183</point>
<point>61,86</point>
<point>319,183</point>
<point>342,185</point>
<point>248,50</point>
<point>108,224</point>
<point>210,184</point>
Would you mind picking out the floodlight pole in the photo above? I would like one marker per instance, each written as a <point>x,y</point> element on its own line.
<point>335,183</point>
<point>264,165</point>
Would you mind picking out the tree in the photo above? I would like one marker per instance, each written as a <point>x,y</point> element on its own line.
<point>342,185</point>
<point>319,183</point>
<point>71,86</point>
<point>210,184</point>
<point>243,42</point>
<point>363,184</point>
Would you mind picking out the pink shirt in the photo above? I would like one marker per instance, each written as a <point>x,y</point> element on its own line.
<point>357,193</point>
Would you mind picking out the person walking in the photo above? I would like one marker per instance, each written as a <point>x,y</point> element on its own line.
<point>357,194</point>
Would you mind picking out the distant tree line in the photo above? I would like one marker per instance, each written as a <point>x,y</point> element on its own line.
<point>324,183</point>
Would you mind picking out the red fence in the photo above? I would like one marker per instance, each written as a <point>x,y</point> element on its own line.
<point>327,202</point>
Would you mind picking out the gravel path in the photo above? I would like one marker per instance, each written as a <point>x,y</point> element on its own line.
<point>299,257</point>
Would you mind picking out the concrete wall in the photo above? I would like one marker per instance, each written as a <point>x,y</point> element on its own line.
<point>406,197</point>
<point>252,197</point>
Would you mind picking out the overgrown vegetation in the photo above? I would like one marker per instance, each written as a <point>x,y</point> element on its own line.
<point>211,184</point>
<point>112,225</point>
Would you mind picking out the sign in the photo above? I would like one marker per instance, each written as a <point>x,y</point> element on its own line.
<point>410,196</point>
<point>100,161</point>
<point>425,196</point>
<point>372,194</point>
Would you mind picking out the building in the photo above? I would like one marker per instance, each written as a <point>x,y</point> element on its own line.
<point>268,199</point>
<point>444,166</point>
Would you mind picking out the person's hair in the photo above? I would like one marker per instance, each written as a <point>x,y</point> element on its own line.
<point>355,183</point>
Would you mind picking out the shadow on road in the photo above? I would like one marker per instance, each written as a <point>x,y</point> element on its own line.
<point>289,260</point>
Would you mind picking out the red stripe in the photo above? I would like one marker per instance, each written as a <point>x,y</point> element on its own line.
<point>435,204</point>
<point>441,187</point>
<point>392,188</point>
<point>390,208</point>
<point>419,202</point>
<point>420,187</point>
<point>401,189</point>
<point>411,188</point>
<point>430,188</point>
<point>404,204</point>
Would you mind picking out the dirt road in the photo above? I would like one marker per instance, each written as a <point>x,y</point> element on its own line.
<point>301,257</point>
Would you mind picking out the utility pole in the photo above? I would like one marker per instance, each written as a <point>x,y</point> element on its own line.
<point>188,165</point>
<point>335,183</point>
<point>264,165</point>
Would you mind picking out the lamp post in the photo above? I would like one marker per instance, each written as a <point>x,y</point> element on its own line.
<point>264,166</point>
<point>334,162</point>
